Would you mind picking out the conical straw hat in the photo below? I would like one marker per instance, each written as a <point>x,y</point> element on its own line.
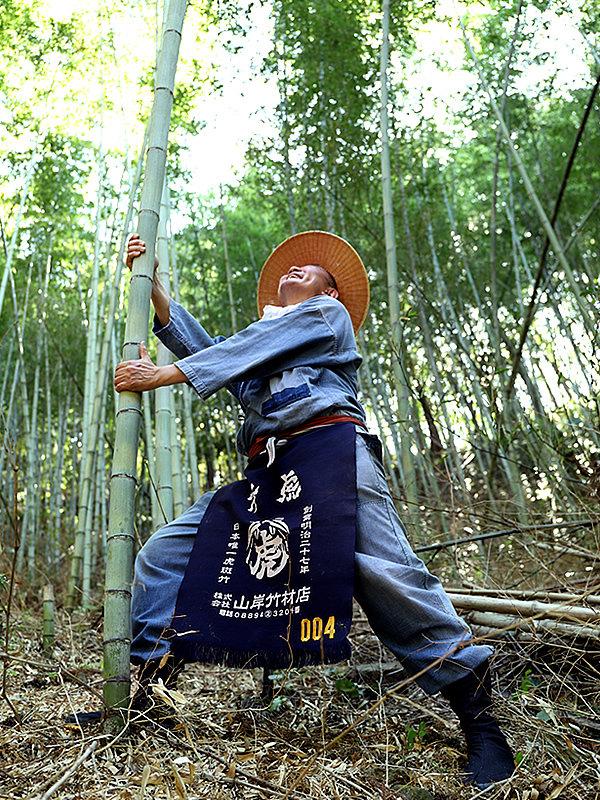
<point>323,250</point>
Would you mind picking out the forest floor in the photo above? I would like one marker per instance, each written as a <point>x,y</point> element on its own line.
<point>352,731</point>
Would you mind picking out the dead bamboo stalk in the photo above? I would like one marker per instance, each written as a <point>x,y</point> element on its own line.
<point>490,619</point>
<point>524,608</point>
<point>534,594</point>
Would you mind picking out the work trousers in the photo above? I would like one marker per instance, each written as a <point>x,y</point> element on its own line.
<point>405,604</point>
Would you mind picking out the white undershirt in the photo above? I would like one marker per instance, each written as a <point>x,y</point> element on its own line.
<point>274,312</point>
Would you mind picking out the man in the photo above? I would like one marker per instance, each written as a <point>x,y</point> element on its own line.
<point>294,373</point>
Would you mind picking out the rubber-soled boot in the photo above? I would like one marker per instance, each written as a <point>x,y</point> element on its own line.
<point>489,757</point>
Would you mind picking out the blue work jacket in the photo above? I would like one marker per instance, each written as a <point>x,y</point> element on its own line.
<point>283,371</point>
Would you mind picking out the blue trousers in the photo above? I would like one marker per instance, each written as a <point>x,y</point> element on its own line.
<point>405,604</point>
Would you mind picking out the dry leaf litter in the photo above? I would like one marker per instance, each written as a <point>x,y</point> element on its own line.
<point>347,731</point>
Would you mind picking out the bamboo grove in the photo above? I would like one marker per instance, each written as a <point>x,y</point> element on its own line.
<point>476,214</point>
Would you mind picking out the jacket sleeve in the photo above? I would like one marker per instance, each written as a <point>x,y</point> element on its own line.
<point>317,333</point>
<point>183,334</point>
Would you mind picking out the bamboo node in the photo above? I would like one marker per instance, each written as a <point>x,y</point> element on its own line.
<point>110,641</point>
<point>124,474</point>
<point>119,535</point>
<point>121,411</point>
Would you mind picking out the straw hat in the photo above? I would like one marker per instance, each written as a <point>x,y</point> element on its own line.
<point>323,250</point>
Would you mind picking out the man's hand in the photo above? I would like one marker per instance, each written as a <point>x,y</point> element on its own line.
<point>135,248</point>
<point>142,374</point>
<point>160,298</point>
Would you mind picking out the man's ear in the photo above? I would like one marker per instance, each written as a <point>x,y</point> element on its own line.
<point>331,292</point>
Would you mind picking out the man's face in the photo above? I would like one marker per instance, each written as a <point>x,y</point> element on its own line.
<point>300,283</point>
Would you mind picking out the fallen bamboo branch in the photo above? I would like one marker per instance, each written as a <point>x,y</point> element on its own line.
<point>481,537</point>
<point>569,550</point>
<point>71,771</point>
<point>524,608</point>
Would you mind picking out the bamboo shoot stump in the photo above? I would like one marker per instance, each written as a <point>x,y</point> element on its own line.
<point>48,627</point>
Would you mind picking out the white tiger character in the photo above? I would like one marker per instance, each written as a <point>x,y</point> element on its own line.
<point>267,552</point>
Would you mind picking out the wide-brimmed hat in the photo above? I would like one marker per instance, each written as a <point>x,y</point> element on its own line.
<point>323,250</point>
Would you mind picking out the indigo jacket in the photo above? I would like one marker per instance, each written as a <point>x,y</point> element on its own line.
<point>283,371</point>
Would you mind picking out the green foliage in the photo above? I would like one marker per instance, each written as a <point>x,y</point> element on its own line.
<point>527,683</point>
<point>278,702</point>
<point>416,738</point>
<point>348,687</point>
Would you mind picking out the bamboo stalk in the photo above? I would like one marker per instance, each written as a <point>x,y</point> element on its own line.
<point>179,505</point>
<point>16,230</point>
<point>91,442</point>
<point>190,436</point>
<point>524,608</point>
<point>502,621</point>
<point>400,381</point>
<point>531,193</point>
<point>162,395</point>
<point>120,537</point>
<point>537,594</point>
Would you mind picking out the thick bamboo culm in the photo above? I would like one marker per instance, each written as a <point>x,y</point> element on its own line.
<point>120,538</point>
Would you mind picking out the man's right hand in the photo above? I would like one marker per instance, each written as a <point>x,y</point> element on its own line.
<point>135,248</point>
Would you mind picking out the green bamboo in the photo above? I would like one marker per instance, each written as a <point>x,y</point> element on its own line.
<point>557,247</point>
<point>401,384</point>
<point>179,505</point>
<point>27,525</point>
<point>162,395</point>
<point>93,431</point>
<point>232,313</point>
<point>190,433</point>
<point>120,538</point>
<point>15,234</point>
<point>157,518</point>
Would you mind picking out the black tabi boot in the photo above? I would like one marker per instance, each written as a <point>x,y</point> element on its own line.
<point>152,672</point>
<point>143,700</point>
<point>489,758</point>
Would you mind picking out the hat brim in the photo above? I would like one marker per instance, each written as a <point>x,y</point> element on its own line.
<point>324,250</point>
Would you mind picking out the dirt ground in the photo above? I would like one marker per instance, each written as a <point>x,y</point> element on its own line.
<point>359,730</point>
